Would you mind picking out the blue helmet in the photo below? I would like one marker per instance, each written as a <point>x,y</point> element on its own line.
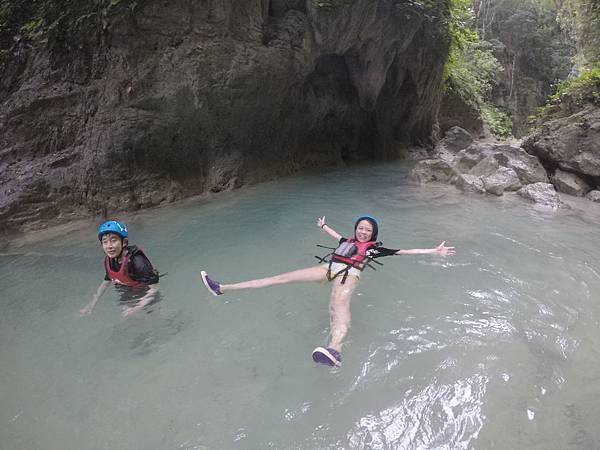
<point>112,226</point>
<point>372,221</point>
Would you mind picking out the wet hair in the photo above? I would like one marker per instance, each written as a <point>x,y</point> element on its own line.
<point>372,221</point>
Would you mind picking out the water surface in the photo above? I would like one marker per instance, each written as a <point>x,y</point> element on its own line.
<point>495,347</point>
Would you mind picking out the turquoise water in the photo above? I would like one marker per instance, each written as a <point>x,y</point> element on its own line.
<point>494,347</point>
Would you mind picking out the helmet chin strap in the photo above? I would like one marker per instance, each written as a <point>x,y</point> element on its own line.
<point>123,246</point>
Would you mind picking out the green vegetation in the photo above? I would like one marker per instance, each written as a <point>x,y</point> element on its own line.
<point>581,19</point>
<point>532,43</point>
<point>571,95</point>
<point>586,87</point>
<point>498,119</point>
<point>496,45</point>
<point>472,70</point>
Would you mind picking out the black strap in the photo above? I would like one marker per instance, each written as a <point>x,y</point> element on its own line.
<point>345,271</point>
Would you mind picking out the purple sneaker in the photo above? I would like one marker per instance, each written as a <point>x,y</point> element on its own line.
<point>327,356</point>
<point>211,285</point>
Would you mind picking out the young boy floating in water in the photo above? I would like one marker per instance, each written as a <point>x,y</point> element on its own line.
<point>343,269</point>
<point>124,265</point>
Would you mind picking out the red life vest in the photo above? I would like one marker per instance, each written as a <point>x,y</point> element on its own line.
<point>360,259</point>
<point>122,275</point>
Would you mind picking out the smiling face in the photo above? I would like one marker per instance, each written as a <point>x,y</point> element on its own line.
<point>112,244</point>
<point>364,231</point>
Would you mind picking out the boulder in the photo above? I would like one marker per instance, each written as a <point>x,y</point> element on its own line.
<point>486,167</point>
<point>593,196</point>
<point>542,194</point>
<point>429,170</point>
<point>456,139</point>
<point>504,179</point>
<point>569,183</point>
<point>468,158</point>
<point>571,143</point>
<point>527,167</point>
<point>470,183</point>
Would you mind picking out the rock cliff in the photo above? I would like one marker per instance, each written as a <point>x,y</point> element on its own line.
<point>183,97</point>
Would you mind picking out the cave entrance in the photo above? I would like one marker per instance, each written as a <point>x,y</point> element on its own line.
<point>339,121</point>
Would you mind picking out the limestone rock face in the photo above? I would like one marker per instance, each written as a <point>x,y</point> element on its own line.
<point>181,98</point>
<point>454,111</point>
<point>571,143</point>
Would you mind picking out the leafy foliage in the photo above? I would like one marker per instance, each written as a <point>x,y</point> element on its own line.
<point>581,19</point>
<point>532,42</point>
<point>498,119</point>
<point>571,95</point>
<point>471,70</point>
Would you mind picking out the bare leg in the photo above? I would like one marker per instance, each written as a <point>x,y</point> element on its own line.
<point>339,310</point>
<point>316,273</point>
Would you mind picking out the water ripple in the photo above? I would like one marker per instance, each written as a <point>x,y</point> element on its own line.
<point>440,416</point>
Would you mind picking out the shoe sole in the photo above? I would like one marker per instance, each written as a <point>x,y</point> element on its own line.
<point>327,354</point>
<point>203,276</point>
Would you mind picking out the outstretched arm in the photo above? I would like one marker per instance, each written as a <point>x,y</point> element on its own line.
<point>439,250</point>
<point>90,306</point>
<point>327,229</point>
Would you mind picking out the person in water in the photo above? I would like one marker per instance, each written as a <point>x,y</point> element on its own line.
<point>125,265</point>
<point>343,267</point>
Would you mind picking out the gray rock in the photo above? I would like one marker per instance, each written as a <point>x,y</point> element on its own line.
<point>470,183</point>
<point>571,142</point>
<point>593,196</point>
<point>468,158</point>
<point>569,183</point>
<point>486,167</point>
<point>429,170</point>
<point>417,153</point>
<point>457,138</point>
<point>527,167</point>
<point>541,193</point>
<point>505,179</point>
